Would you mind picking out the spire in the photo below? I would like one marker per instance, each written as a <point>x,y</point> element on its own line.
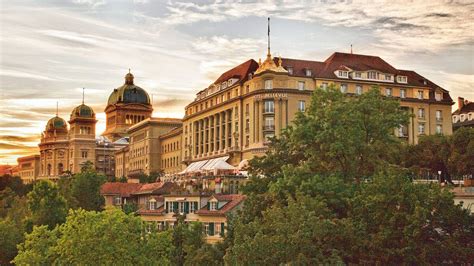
<point>129,78</point>
<point>83,95</point>
<point>351,48</point>
<point>268,53</point>
<point>57,108</point>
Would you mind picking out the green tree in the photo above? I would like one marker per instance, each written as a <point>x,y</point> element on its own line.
<point>11,236</point>
<point>111,236</point>
<point>461,159</point>
<point>47,206</point>
<point>85,189</point>
<point>38,247</point>
<point>337,134</point>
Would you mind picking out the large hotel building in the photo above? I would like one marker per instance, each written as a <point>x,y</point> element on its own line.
<point>246,105</point>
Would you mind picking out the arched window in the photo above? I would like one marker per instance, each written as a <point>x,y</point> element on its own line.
<point>49,169</point>
<point>60,168</point>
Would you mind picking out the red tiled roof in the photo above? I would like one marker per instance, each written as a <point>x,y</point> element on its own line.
<point>356,62</point>
<point>300,66</point>
<point>158,211</point>
<point>117,188</point>
<point>233,201</point>
<point>468,107</point>
<point>240,72</point>
<point>156,188</point>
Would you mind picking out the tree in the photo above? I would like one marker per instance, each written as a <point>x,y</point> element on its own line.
<point>38,247</point>
<point>111,236</point>
<point>11,237</point>
<point>47,206</point>
<point>338,134</point>
<point>461,159</point>
<point>85,189</point>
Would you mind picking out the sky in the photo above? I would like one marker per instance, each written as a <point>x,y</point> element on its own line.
<point>51,49</point>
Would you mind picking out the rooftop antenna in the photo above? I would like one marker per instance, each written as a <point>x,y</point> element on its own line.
<point>83,95</point>
<point>268,35</point>
<point>351,48</point>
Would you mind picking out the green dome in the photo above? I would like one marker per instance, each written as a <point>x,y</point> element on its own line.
<point>83,111</point>
<point>56,123</point>
<point>129,93</point>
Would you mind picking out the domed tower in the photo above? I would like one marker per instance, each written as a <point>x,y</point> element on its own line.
<point>127,105</point>
<point>54,148</point>
<point>81,137</point>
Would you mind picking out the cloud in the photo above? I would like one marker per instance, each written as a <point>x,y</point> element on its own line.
<point>408,25</point>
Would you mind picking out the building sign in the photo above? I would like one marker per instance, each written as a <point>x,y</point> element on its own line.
<point>271,95</point>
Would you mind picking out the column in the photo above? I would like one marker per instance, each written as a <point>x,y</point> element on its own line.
<point>215,132</point>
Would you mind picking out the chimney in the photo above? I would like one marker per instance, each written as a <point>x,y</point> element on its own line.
<point>460,103</point>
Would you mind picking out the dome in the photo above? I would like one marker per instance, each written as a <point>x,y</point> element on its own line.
<point>129,93</point>
<point>56,123</point>
<point>83,111</point>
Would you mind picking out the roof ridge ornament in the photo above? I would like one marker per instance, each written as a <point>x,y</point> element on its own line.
<point>269,64</point>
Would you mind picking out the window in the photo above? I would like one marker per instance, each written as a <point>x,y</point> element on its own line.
<point>421,128</point>
<point>308,72</point>
<point>268,84</point>
<point>420,95</point>
<point>439,129</point>
<point>213,206</point>
<point>438,96</point>
<point>343,88</point>
<point>269,123</point>
<point>439,115</point>
<point>388,91</point>
<point>358,75</point>
<point>301,85</point>
<point>84,154</point>
<point>342,74</point>
<point>290,70</point>
<point>247,109</point>
<point>401,79</point>
<point>402,131</point>
<point>247,141</point>
<point>152,204</point>
<point>301,106</point>
<point>181,207</point>
<point>218,229</point>
<point>268,136</point>
<point>372,75</point>
<point>358,89</point>
<point>403,93</point>
<point>193,206</point>
<point>421,113</point>
<point>269,107</point>
<point>324,85</point>
<point>118,200</point>
<point>388,77</point>
<point>247,89</point>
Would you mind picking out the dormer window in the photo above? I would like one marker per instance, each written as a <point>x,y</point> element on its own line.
<point>372,75</point>
<point>402,79</point>
<point>358,75</point>
<point>152,204</point>
<point>213,206</point>
<point>388,77</point>
<point>438,96</point>
<point>224,85</point>
<point>290,70</point>
<point>342,74</point>
<point>308,72</point>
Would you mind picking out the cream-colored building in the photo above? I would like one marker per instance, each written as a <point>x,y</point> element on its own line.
<point>29,168</point>
<point>237,114</point>
<point>171,151</point>
<point>145,155</point>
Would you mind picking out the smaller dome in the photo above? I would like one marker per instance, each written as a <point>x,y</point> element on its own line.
<point>82,111</point>
<point>56,123</point>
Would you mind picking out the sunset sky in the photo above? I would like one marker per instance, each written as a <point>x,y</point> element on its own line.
<point>51,49</point>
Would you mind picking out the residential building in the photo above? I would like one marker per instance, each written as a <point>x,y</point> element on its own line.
<point>464,115</point>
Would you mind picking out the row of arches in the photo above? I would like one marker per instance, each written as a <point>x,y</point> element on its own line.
<point>133,119</point>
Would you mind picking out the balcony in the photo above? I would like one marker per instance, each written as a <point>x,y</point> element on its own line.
<point>234,149</point>
<point>268,111</point>
<point>269,128</point>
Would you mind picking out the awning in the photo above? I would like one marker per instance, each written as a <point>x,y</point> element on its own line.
<point>209,165</point>
<point>218,164</point>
